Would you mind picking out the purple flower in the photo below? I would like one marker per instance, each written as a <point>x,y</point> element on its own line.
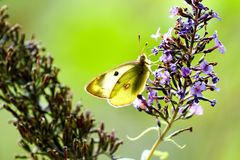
<point>215,79</point>
<point>140,103</point>
<point>173,67</point>
<point>215,15</point>
<point>185,71</point>
<point>173,11</point>
<point>218,44</point>
<point>181,93</point>
<point>196,109</point>
<point>166,40</point>
<point>205,16</point>
<point>163,76</point>
<point>164,45</point>
<point>155,51</point>
<point>196,76</point>
<point>197,88</point>
<point>201,6</point>
<point>186,27</point>
<point>156,35</point>
<point>213,87</point>
<point>152,94</point>
<point>166,57</point>
<point>205,67</point>
<point>208,16</point>
<point>197,36</point>
<point>213,102</point>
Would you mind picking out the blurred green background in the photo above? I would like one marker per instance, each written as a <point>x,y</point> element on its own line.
<point>88,37</point>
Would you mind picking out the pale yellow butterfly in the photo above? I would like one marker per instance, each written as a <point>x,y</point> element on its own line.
<point>121,85</point>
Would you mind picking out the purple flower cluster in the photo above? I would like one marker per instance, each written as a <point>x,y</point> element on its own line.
<point>183,73</point>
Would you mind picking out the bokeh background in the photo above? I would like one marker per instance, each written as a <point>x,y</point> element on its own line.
<point>88,37</point>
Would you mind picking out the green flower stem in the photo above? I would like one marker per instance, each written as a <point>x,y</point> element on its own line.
<point>162,136</point>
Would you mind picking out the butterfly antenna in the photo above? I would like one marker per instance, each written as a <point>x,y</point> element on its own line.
<point>139,41</point>
<point>144,47</point>
<point>139,44</point>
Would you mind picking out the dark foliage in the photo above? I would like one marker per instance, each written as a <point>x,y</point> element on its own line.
<point>41,105</point>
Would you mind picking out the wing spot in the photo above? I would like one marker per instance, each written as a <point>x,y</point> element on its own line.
<point>126,86</point>
<point>116,73</point>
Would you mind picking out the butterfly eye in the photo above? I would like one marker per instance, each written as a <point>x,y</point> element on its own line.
<point>116,73</point>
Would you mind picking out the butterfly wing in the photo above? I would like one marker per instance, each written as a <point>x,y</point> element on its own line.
<point>102,85</point>
<point>129,85</point>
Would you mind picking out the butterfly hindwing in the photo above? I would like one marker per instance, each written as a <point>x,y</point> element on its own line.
<point>129,85</point>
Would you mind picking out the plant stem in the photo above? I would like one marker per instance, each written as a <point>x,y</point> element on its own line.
<point>162,136</point>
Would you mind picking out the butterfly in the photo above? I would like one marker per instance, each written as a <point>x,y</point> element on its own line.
<point>121,85</point>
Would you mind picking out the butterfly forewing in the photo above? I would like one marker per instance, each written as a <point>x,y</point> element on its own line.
<point>102,85</point>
